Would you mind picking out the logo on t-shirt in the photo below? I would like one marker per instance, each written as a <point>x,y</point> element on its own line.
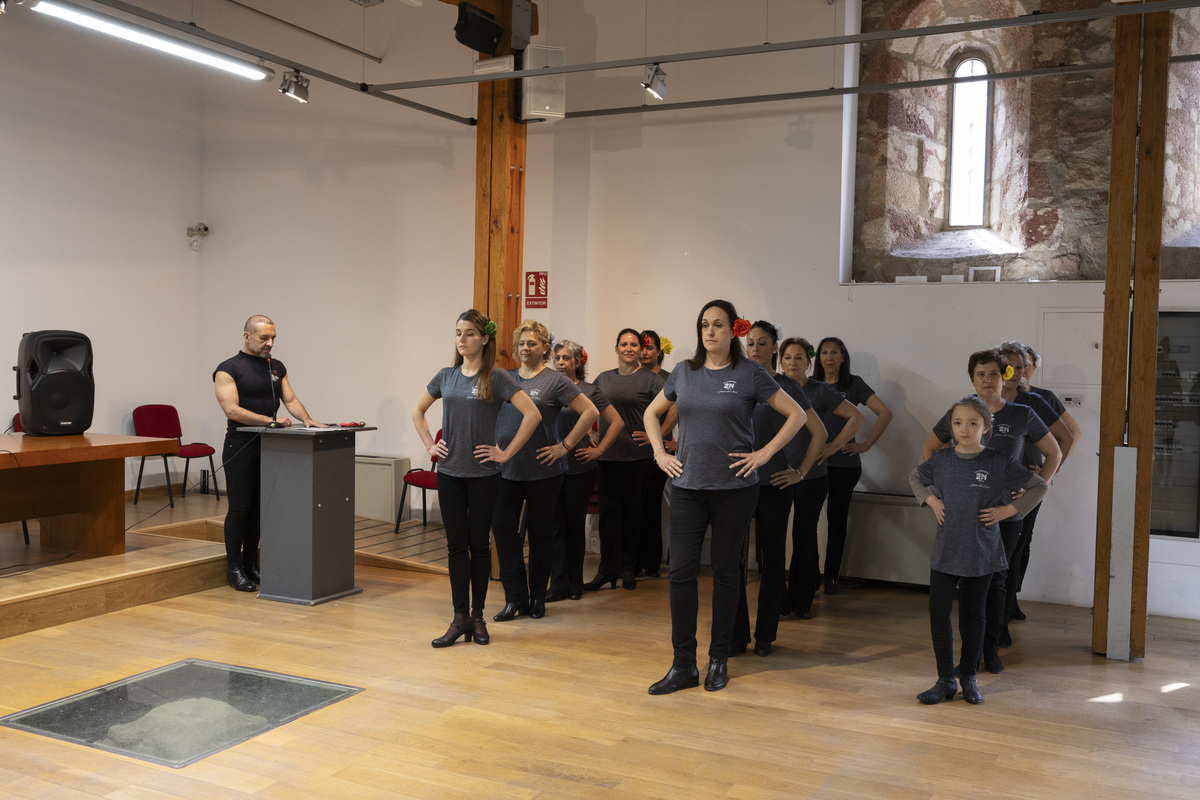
<point>1002,429</point>
<point>729,387</point>
<point>475,391</point>
<point>534,392</point>
<point>274,376</point>
<point>981,479</point>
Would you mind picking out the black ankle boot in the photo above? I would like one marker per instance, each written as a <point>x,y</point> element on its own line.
<point>718,675</point>
<point>944,689</point>
<point>239,580</point>
<point>676,678</point>
<point>511,610</point>
<point>970,689</point>
<point>252,572</point>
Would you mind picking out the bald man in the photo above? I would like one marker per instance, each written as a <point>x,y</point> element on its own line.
<point>249,388</point>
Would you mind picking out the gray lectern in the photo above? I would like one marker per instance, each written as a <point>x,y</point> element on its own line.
<point>307,514</point>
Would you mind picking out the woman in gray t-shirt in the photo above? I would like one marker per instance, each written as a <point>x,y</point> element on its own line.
<point>471,392</point>
<point>534,477</point>
<point>715,480</point>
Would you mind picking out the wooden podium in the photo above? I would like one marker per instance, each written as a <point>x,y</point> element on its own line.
<point>307,514</point>
<point>73,485</point>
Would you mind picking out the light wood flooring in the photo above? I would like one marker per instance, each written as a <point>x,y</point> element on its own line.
<point>557,708</point>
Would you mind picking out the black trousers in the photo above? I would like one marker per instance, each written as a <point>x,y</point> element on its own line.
<point>241,459</point>
<point>804,575</point>
<point>728,512</point>
<point>622,487</point>
<point>1020,561</point>
<point>997,595</point>
<point>467,505</point>
<point>539,499</point>
<point>650,537</point>
<point>842,481</point>
<point>942,590</point>
<point>570,532</point>
<point>770,525</point>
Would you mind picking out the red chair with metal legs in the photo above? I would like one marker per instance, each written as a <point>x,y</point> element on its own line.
<point>423,479</point>
<point>163,422</point>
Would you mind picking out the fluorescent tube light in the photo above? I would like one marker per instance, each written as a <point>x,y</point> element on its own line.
<point>147,38</point>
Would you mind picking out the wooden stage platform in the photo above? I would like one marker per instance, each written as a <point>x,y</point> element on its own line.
<point>169,552</point>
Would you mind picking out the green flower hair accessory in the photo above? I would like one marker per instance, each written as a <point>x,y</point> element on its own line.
<point>490,328</point>
<point>667,347</point>
<point>1008,372</point>
<point>810,353</point>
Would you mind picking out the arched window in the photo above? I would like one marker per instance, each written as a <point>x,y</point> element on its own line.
<point>969,146</point>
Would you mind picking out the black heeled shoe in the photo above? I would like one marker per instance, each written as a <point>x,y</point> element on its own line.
<point>718,675</point>
<point>1017,613</point>
<point>537,609</point>
<point>555,596</point>
<point>763,649</point>
<point>479,631</point>
<point>598,583</point>
<point>252,572</point>
<point>457,628</point>
<point>970,689</point>
<point>575,595</point>
<point>992,663</point>
<point>738,648</point>
<point>676,678</point>
<point>944,689</point>
<point>511,610</point>
<point>239,580</point>
<point>1005,637</point>
<point>831,586</point>
<point>628,581</point>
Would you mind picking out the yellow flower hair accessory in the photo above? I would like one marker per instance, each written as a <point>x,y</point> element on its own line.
<point>667,347</point>
<point>1008,372</point>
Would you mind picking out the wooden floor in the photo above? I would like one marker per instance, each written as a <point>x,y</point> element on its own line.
<point>557,708</point>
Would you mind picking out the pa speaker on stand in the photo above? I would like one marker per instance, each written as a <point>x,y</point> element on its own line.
<point>56,392</point>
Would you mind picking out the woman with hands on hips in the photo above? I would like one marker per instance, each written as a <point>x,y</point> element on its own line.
<point>715,481</point>
<point>533,478</point>
<point>472,392</point>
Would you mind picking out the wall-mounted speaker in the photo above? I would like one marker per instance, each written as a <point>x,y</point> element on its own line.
<point>56,392</point>
<point>477,29</point>
<point>544,99</point>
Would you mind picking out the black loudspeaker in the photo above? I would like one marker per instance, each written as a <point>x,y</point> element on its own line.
<point>477,29</point>
<point>55,388</point>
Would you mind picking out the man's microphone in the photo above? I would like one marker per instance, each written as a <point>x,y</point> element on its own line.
<point>274,423</point>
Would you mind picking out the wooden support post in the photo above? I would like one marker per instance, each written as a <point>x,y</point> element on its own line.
<point>1143,359</point>
<point>1137,340</point>
<point>1122,182</point>
<point>500,202</point>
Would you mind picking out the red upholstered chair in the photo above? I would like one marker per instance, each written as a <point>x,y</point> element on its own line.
<point>423,479</point>
<point>163,422</point>
<point>16,426</point>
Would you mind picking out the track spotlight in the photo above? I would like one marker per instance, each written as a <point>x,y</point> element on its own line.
<point>148,38</point>
<point>294,86</point>
<point>656,81</point>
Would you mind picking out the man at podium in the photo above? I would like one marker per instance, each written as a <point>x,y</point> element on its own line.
<point>249,388</point>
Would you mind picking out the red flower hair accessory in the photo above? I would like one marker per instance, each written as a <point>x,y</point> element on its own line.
<point>647,342</point>
<point>741,327</point>
<point>583,358</point>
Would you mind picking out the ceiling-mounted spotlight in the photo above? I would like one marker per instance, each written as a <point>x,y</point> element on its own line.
<point>656,81</point>
<point>294,86</point>
<point>148,38</point>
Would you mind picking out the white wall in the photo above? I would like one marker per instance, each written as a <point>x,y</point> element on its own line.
<point>100,176</point>
<point>350,222</point>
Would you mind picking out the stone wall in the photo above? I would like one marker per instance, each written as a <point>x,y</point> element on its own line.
<point>1181,179</point>
<point>1050,144</point>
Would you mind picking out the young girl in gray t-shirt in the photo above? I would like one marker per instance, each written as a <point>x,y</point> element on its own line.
<point>970,488</point>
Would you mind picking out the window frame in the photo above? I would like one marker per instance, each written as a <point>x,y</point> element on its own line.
<point>989,137</point>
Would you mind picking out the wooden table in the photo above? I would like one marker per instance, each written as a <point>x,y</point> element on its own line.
<point>73,485</point>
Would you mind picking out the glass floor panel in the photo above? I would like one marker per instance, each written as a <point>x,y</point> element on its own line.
<point>178,714</point>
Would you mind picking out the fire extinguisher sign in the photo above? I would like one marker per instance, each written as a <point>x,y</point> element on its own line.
<point>537,289</point>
